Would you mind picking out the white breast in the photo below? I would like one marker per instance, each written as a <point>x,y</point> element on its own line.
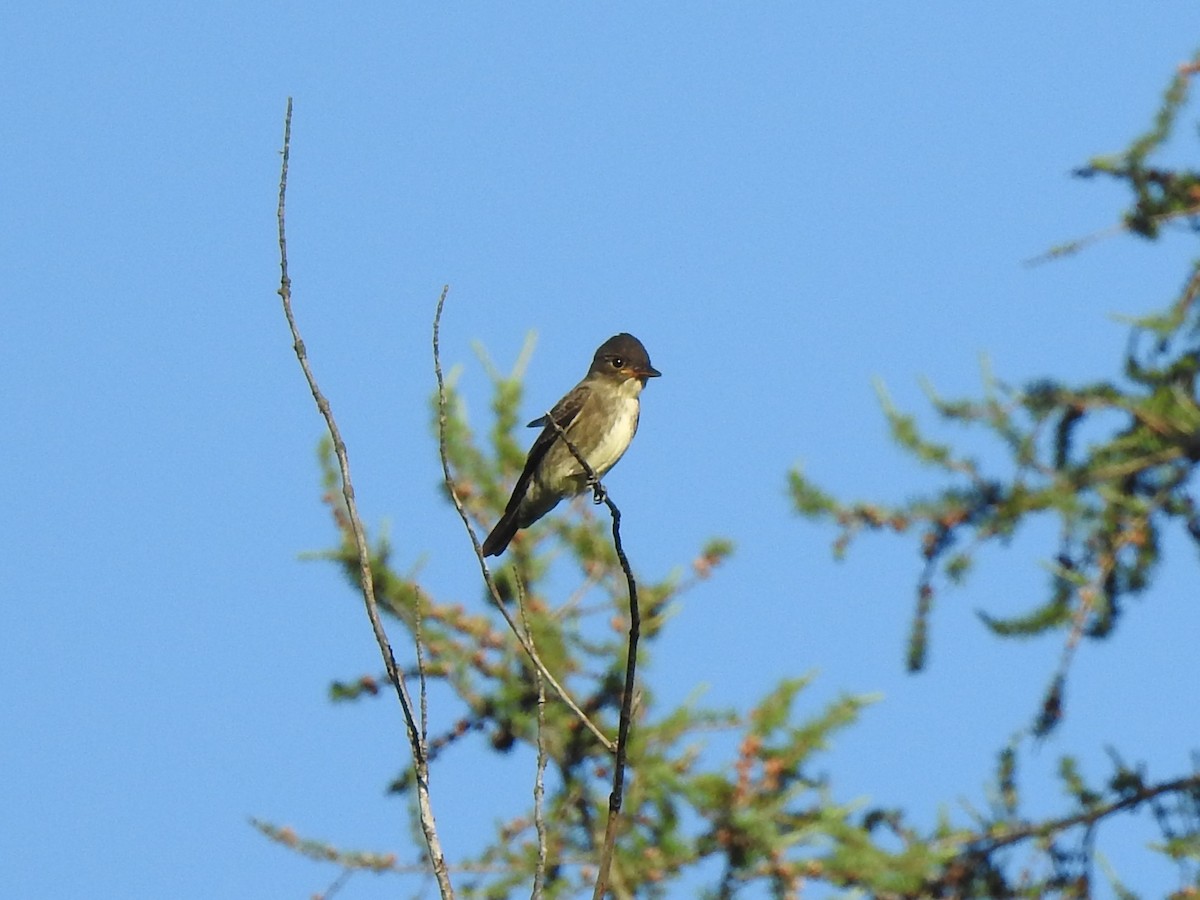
<point>615,442</point>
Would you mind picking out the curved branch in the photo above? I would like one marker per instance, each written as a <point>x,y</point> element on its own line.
<point>452,488</point>
<point>618,792</point>
<point>416,743</point>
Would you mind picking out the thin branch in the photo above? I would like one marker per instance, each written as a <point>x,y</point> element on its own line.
<point>529,649</point>
<point>421,679</point>
<point>337,885</point>
<point>539,790</point>
<point>635,625</point>
<point>1074,246</point>
<point>420,763</point>
<point>1088,818</point>
<point>539,781</point>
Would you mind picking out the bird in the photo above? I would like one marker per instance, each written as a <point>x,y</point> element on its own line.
<point>599,416</point>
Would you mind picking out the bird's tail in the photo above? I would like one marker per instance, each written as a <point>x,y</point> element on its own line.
<point>498,540</point>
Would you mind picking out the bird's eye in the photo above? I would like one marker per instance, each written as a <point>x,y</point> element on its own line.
<point>617,362</point>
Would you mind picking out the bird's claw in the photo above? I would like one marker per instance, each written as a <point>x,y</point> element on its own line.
<point>598,492</point>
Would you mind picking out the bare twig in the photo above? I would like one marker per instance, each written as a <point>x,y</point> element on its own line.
<point>539,790</point>
<point>420,763</point>
<point>635,623</point>
<point>618,792</point>
<point>1075,246</point>
<point>452,488</point>
<point>421,680</point>
<point>539,781</point>
<point>337,884</point>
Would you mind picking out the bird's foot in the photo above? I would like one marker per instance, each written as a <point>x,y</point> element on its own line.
<point>599,495</point>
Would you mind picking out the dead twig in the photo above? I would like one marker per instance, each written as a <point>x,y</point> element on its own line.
<point>452,488</point>
<point>618,791</point>
<point>539,781</point>
<point>416,744</point>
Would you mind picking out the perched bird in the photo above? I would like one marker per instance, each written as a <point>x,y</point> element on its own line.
<point>599,416</point>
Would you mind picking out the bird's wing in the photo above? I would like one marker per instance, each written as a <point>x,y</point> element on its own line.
<point>566,409</point>
<point>564,413</point>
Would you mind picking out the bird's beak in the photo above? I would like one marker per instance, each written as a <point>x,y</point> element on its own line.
<point>648,372</point>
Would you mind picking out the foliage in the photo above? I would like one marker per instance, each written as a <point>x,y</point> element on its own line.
<point>762,813</point>
<point>1112,463</point>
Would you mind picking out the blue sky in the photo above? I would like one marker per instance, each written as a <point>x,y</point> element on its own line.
<point>783,201</point>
